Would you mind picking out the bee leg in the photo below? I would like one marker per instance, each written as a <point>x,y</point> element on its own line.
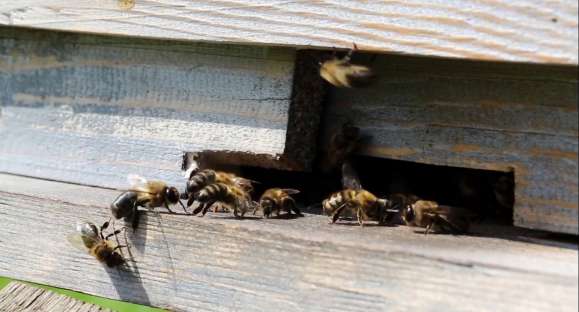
<point>428,228</point>
<point>348,56</point>
<point>292,207</point>
<point>115,233</point>
<point>104,227</point>
<point>133,217</point>
<point>337,213</point>
<point>167,207</point>
<point>120,246</point>
<point>190,200</point>
<point>183,206</point>
<point>361,215</point>
<point>207,206</point>
<point>199,208</point>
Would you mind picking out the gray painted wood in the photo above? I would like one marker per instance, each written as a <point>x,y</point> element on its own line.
<point>89,109</point>
<point>526,30</point>
<point>491,116</point>
<point>20,297</point>
<point>187,263</point>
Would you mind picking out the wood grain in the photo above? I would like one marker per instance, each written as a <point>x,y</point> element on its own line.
<point>91,109</point>
<point>20,297</point>
<point>538,31</point>
<point>187,263</point>
<point>501,117</point>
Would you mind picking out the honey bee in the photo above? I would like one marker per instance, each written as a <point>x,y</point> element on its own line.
<point>89,237</point>
<point>229,195</point>
<point>363,203</point>
<point>343,74</point>
<point>439,218</point>
<point>200,179</point>
<point>143,193</point>
<point>274,200</point>
<point>341,145</point>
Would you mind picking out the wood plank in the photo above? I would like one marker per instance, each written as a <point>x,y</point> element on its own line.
<point>501,117</point>
<point>89,109</point>
<point>22,297</point>
<point>187,263</point>
<point>537,31</point>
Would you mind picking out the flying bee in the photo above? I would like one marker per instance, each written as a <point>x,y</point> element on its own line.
<point>126,4</point>
<point>343,74</point>
<point>143,193</point>
<point>89,237</point>
<point>274,200</point>
<point>200,179</point>
<point>229,195</point>
<point>363,203</point>
<point>439,218</point>
<point>342,144</point>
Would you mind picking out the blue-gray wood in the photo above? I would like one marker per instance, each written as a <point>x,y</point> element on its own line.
<point>505,117</point>
<point>91,109</point>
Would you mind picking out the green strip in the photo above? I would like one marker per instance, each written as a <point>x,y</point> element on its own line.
<point>100,301</point>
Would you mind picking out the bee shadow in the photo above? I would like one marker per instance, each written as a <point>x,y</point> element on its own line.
<point>423,232</point>
<point>127,280</point>
<point>286,216</point>
<point>230,217</point>
<point>355,223</point>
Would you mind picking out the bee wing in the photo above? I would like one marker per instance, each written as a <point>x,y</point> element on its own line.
<point>136,181</point>
<point>191,170</point>
<point>360,76</point>
<point>291,191</point>
<point>350,179</point>
<point>455,218</point>
<point>77,241</point>
<point>142,185</point>
<point>244,183</point>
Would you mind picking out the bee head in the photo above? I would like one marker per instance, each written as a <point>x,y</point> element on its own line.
<point>172,195</point>
<point>408,213</point>
<point>113,259</point>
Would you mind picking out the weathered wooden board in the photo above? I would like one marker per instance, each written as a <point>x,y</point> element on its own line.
<point>20,297</point>
<point>503,117</point>
<point>91,109</point>
<point>188,263</point>
<point>525,30</point>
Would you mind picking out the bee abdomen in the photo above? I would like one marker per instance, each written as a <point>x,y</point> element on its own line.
<point>122,206</point>
<point>200,179</point>
<point>216,191</point>
<point>360,78</point>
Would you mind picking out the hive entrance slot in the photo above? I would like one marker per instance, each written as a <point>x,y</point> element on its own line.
<point>488,193</point>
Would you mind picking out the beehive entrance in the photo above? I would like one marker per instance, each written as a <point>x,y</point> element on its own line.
<point>488,193</point>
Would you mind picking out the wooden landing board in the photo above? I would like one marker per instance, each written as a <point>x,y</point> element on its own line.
<point>90,109</point>
<point>538,31</point>
<point>187,263</point>
<point>20,297</point>
<point>490,116</point>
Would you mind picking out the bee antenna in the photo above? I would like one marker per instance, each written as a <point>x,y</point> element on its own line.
<point>181,203</point>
